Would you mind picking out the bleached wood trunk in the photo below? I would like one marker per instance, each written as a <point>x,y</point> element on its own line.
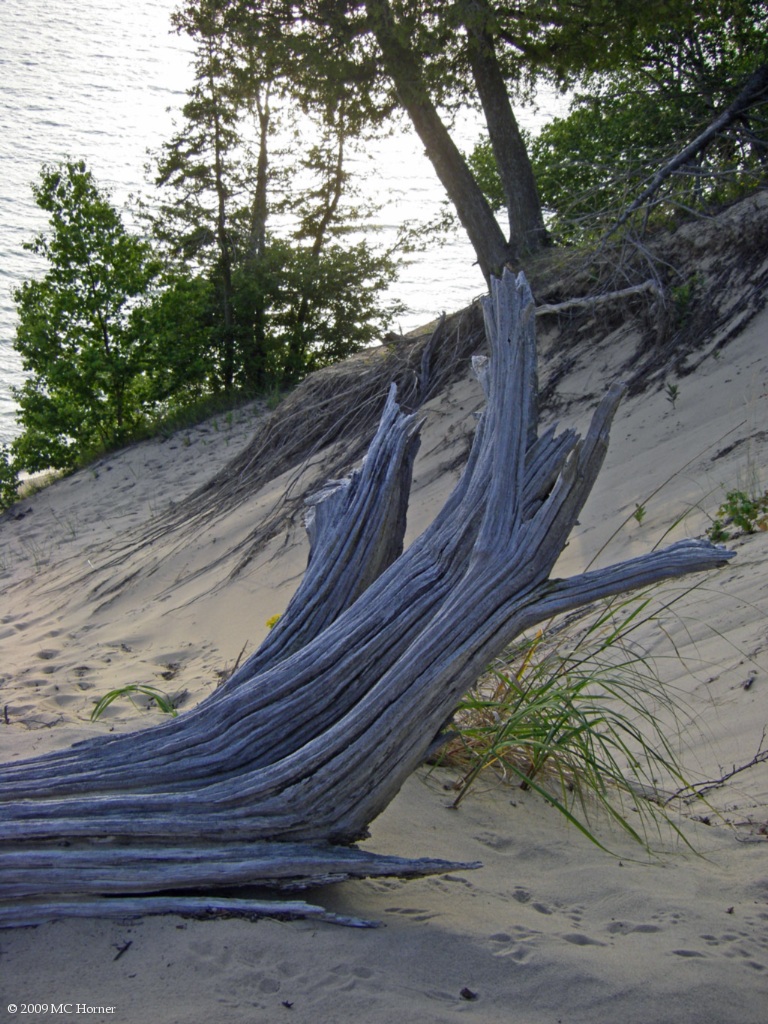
<point>273,778</point>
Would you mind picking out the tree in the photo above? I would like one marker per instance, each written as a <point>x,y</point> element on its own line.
<point>374,58</point>
<point>200,164</point>
<point>89,365</point>
<point>428,57</point>
<point>285,298</point>
<point>630,122</point>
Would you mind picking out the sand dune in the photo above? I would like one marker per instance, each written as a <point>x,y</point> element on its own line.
<point>550,929</point>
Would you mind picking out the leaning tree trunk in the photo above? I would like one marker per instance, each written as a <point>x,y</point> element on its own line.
<point>527,233</point>
<point>404,68</point>
<point>273,778</point>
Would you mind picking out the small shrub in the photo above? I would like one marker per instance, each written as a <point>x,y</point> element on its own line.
<point>746,514</point>
<point>684,299</point>
<point>9,481</point>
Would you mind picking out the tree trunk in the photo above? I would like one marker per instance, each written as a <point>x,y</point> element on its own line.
<point>527,233</point>
<point>255,358</point>
<point>223,241</point>
<point>330,197</point>
<point>476,216</point>
<point>274,777</point>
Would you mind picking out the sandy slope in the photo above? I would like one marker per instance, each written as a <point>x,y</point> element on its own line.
<point>549,929</point>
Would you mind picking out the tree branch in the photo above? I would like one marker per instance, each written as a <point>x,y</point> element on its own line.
<point>755,91</point>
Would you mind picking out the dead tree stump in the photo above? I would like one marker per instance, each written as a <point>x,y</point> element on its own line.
<point>272,779</point>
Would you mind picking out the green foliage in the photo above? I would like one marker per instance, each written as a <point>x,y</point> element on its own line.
<point>482,163</point>
<point>177,322</point>
<point>88,364</point>
<point>639,103</point>
<point>650,75</point>
<point>672,392</point>
<point>589,163</point>
<point>8,478</point>
<point>161,700</point>
<point>324,304</point>
<point>258,204</point>
<point>636,116</point>
<point>684,299</point>
<point>747,514</point>
<point>578,717</point>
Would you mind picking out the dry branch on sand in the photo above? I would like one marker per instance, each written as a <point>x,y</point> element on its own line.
<point>273,778</point>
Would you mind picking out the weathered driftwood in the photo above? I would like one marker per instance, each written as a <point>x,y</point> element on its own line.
<point>272,779</point>
<point>593,301</point>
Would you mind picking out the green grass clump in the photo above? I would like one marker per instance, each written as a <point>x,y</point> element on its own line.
<point>161,700</point>
<point>579,715</point>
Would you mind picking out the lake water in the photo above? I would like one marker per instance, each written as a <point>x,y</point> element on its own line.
<point>101,80</point>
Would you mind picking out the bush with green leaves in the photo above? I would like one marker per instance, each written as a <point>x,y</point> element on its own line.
<point>739,513</point>
<point>325,304</point>
<point>8,478</point>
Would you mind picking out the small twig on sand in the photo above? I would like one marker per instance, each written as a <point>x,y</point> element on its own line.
<point>697,792</point>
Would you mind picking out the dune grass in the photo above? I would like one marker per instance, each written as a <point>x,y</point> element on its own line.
<point>579,714</point>
<point>157,697</point>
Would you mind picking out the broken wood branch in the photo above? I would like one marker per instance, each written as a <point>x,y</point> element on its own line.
<point>755,90</point>
<point>274,778</point>
<point>589,301</point>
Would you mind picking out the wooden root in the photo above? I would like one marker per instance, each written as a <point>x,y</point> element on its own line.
<point>272,779</point>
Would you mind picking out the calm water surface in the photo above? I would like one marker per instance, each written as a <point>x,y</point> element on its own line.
<point>79,78</point>
<point>101,80</point>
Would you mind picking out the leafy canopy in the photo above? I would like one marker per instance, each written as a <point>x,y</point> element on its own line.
<point>429,58</point>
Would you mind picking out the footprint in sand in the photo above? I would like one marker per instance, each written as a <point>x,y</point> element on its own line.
<point>494,841</point>
<point>346,977</point>
<point>66,700</point>
<point>521,895</point>
<point>628,927</point>
<point>517,948</point>
<point>580,939</point>
<point>33,682</point>
<point>738,946</point>
<point>414,913</point>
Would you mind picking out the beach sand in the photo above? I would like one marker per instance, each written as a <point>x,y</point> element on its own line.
<point>550,929</point>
